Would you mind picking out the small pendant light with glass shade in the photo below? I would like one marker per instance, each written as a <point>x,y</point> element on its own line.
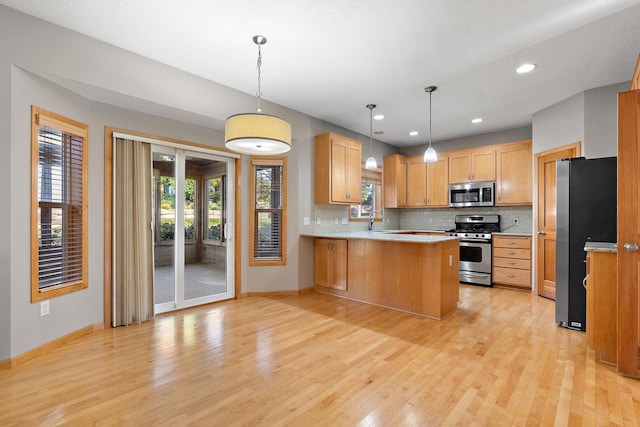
<point>430,154</point>
<point>257,133</point>
<point>371,161</point>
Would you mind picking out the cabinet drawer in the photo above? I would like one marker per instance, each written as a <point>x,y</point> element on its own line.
<point>512,242</point>
<point>523,264</point>
<point>512,253</point>
<point>512,276</point>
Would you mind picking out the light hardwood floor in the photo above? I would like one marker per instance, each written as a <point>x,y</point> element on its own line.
<point>319,360</point>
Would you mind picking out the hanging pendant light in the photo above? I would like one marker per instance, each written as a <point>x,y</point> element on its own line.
<point>430,154</point>
<point>257,133</point>
<point>371,161</point>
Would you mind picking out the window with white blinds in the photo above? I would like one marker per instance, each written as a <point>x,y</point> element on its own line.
<point>58,205</point>
<point>268,210</point>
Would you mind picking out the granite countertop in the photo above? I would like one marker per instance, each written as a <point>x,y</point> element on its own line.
<point>601,247</point>
<point>386,235</point>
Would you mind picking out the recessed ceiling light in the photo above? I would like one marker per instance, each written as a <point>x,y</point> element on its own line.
<point>378,117</point>
<point>525,68</point>
<point>477,120</point>
<point>413,133</point>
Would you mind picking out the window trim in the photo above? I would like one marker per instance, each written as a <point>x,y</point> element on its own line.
<point>267,161</point>
<point>39,117</point>
<point>375,176</point>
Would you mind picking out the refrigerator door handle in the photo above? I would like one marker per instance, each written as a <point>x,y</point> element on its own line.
<point>584,282</point>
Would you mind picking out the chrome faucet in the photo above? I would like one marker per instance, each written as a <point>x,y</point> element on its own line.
<point>371,215</point>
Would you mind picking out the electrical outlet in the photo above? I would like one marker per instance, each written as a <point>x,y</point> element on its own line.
<point>318,221</point>
<point>44,308</point>
<point>515,221</point>
<point>345,220</point>
<point>306,220</point>
<point>336,221</point>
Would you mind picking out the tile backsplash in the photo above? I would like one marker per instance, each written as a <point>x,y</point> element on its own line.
<point>331,219</point>
<point>444,218</point>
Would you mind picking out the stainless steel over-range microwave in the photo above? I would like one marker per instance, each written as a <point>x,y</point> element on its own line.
<point>472,194</point>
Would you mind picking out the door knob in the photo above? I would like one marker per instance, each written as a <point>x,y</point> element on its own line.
<point>630,247</point>
<point>540,232</point>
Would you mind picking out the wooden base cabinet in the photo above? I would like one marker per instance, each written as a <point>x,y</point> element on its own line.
<point>512,261</point>
<point>415,277</point>
<point>331,263</point>
<point>602,306</point>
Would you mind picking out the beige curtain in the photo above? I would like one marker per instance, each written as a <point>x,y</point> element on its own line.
<point>133,256</point>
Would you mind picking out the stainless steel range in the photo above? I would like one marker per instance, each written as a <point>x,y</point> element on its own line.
<point>475,246</point>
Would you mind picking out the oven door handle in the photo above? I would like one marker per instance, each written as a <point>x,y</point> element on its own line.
<point>468,240</point>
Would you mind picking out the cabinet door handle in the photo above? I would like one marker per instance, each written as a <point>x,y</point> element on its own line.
<point>511,243</point>
<point>511,263</point>
<point>630,247</point>
<point>511,253</point>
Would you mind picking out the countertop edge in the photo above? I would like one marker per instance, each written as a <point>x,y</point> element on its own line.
<point>601,247</point>
<point>382,236</point>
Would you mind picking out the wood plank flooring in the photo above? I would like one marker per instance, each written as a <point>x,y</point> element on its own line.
<point>317,360</point>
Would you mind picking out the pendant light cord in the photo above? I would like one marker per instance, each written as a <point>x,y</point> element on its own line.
<point>430,118</point>
<point>371,107</point>
<point>259,65</point>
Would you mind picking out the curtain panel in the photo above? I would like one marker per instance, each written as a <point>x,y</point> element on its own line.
<point>133,251</point>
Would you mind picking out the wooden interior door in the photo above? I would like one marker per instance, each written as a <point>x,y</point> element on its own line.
<point>545,259</point>
<point>628,233</point>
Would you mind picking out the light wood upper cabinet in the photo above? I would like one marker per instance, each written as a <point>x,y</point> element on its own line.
<point>473,165</point>
<point>438,182</point>
<point>395,181</point>
<point>338,174</point>
<point>635,79</point>
<point>513,181</point>
<point>416,182</point>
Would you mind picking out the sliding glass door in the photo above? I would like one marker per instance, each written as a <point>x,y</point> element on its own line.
<point>193,228</point>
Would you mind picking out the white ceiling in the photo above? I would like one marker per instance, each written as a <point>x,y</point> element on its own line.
<point>329,58</point>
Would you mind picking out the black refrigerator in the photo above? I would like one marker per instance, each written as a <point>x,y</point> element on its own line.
<point>585,211</point>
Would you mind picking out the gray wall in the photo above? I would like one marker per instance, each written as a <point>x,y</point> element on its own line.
<point>601,120</point>
<point>100,85</point>
<point>590,117</point>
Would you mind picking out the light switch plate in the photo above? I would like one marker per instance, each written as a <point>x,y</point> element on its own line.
<point>345,220</point>
<point>306,220</point>
<point>335,221</point>
<point>318,221</point>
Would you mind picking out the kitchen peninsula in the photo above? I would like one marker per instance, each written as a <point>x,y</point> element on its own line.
<point>409,272</point>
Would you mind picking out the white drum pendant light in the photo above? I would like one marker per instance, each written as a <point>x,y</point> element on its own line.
<point>257,133</point>
<point>430,154</point>
<point>371,161</point>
